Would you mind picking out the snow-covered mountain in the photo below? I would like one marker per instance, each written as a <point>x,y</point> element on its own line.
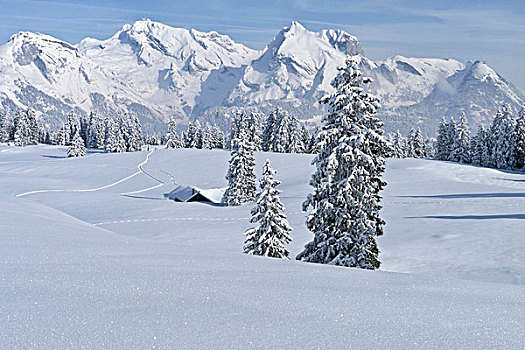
<point>476,89</point>
<point>159,72</point>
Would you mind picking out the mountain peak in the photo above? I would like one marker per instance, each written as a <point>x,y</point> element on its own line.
<point>301,39</point>
<point>295,27</point>
<point>481,71</point>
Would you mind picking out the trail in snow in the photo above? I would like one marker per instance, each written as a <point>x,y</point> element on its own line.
<point>140,171</point>
<point>168,219</point>
<point>178,219</point>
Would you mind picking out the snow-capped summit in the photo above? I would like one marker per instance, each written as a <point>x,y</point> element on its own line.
<point>153,41</point>
<point>296,64</point>
<point>159,72</point>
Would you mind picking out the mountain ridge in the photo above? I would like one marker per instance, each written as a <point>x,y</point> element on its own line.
<point>158,72</point>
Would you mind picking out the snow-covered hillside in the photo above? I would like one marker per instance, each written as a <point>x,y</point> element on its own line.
<point>160,72</point>
<point>93,256</point>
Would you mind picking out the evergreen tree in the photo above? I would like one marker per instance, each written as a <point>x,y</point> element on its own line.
<point>240,127</point>
<point>33,128</point>
<point>346,202</point>
<point>461,143</point>
<point>70,128</point>
<point>430,147</point>
<point>48,138</point>
<point>520,139</point>
<point>241,176</point>
<point>217,137</point>
<point>26,129</point>
<point>207,137</point>
<point>198,135</point>
<point>7,128</point>
<point>282,137</point>
<point>131,131</point>
<point>21,127</point>
<point>312,145</point>
<point>114,140</point>
<point>296,144</point>
<point>272,233</point>
<point>96,131</point>
<point>173,140</point>
<point>77,148</point>
<point>268,131</point>
<point>4,127</point>
<point>476,146</point>
<point>399,146</point>
<point>504,137</point>
<point>255,130</point>
<point>416,144</point>
<point>191,136</point>
<point>305,138</point>
<point>84,129</point>
<point>444,142</point>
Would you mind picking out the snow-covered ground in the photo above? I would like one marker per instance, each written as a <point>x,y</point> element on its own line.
<point>93,256</point>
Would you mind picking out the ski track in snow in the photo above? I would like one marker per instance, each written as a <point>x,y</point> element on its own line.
<point>167,219</point>
<point>177,219</point>
<point>140,171</point>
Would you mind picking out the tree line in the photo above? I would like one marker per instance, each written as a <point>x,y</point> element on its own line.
<point>501,145</point>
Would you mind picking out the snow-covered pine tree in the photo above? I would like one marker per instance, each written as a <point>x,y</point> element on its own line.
<point>8,127</point>
<point>296,144</point>
<point>191,136</point>
<point>305,138</point>
<point>460,151</point>
<point>33,128</point>
<point>207,137</point>
<point>444,143</point>
<point>4,132</point>
<point>312,145</point>
<point>21,129</point>
<point>255,130</point>
<point>520,139</point>
<point>240,126</point>
<point>173,140</point>
<point>452,134</point>
<point>62,136</point>
<point>218,137</point>
<point>398,146</point>
<point>198,135</point>
<point>42,131</point>
<point>268,131</point>
<point>132,132</point>
<point>96,131</point>
<point>77,148</point>
<point>70,128</point>
<point>430,147</point>
<point>477,143</point>
<point>346,202</point>
<point>83,123</point>
<point>48,139</point>
<point>272,233</point>
<point>416,144</point>
<point>282,137</point>
<point>114,141</point>
<point>505,140</point>
<point>241,176</point>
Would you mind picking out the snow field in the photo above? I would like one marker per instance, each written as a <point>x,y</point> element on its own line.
<point>105,270</point>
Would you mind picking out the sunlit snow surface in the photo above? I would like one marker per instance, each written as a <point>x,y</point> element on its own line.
<point>104,261</point>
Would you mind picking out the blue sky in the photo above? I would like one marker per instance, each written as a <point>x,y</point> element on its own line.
<point>493,31</point>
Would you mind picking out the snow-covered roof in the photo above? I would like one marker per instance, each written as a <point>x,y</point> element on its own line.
<point>183,193</point>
